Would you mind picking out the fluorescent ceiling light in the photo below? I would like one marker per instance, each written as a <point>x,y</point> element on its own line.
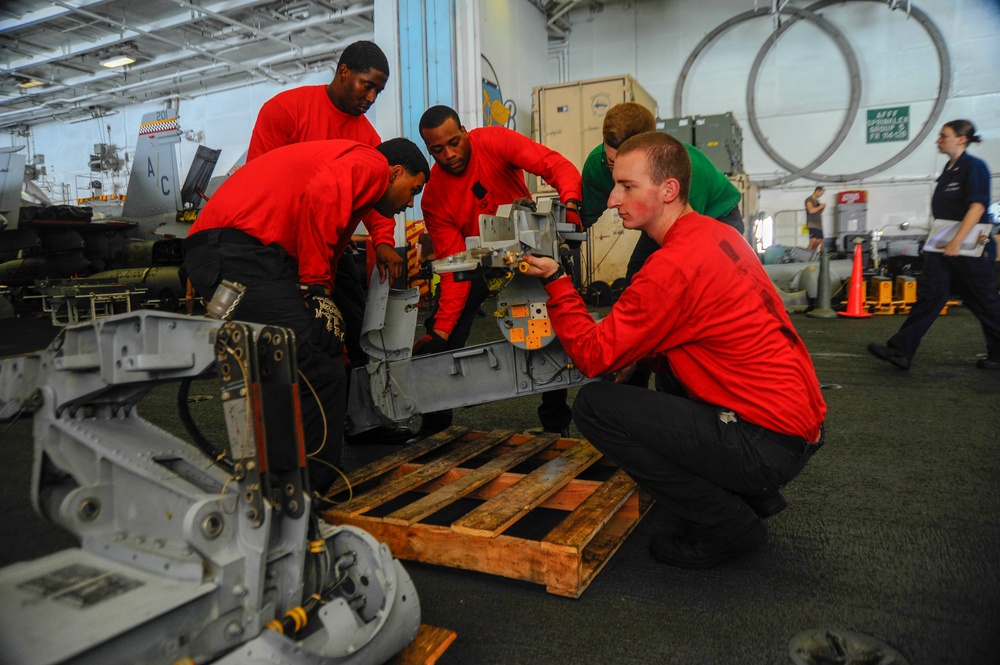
<point>31,83</point>
<point>118,61</point>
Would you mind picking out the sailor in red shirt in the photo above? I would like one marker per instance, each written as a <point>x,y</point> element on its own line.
<point>274,227</point>
<point>746,414</point>
<point>322,112</point>
<point>475,172</point>
<point>334,111</point>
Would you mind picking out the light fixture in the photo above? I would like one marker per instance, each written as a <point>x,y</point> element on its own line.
<point>117,61</point>
<point>30,83</point>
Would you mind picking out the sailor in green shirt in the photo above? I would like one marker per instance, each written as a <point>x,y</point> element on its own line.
<point>711,192</point>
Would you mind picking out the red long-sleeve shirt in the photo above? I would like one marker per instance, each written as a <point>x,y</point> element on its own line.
<point>451,204</point>
<point>306,114</point>
<point>307,198</point>
<point>703,304</point>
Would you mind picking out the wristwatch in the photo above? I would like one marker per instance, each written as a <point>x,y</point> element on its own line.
<point>560,272</point>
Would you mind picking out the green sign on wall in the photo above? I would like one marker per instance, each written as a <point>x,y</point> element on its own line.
<point>892,124</point>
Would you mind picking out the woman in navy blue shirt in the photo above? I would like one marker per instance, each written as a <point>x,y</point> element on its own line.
<point>962,195</point>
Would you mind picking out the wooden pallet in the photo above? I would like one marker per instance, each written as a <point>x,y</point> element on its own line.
<point>452,499</point>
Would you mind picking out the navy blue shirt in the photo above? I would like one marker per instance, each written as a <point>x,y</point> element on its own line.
<point>958,187</point>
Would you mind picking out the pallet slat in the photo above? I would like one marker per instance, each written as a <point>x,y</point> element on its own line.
<point>577,530</point>
<point>504,509</point>
<point>469,482</point>
<point>378,467</point>
<point>426,647</point>
<point>423,474</point>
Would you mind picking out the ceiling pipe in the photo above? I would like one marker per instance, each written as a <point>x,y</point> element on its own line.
<point>559,14</point>
<point>115,94</point>
<point>87,82</point>
<point>273,35</point>
<point>309,51</point>
<point>354,10</point>
<point>84,46</point>
<point>153,35</point>
<point>222,17</point>
<point>13,117</point>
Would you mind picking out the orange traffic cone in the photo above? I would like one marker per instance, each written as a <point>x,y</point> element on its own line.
<point>856,290</point>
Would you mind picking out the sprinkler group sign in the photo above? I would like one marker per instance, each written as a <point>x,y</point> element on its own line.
<point>892,124</point>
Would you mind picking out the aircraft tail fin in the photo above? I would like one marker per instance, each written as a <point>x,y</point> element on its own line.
<point>154,187</point>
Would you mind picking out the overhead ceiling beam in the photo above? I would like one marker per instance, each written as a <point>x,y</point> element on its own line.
<point>165,85</point>
<point>225,19</point>
<point>187,47</point>
<point>45,14</point>
<point>79,48</point>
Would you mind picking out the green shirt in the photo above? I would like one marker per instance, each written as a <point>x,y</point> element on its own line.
<point>711,192</point>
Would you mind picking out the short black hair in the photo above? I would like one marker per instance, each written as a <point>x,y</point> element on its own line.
<point>436,116</point>
<point>362,56</point>
<point>405,153</point>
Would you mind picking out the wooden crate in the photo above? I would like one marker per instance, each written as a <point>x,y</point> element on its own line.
<point>477,483</point>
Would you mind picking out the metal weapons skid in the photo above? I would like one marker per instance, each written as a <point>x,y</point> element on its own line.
<point>395,385</point>
<point>180,558</point>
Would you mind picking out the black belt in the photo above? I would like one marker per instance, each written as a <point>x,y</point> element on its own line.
<point>219,237</point>
<point>794,443</point>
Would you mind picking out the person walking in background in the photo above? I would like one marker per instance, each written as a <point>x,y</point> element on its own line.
<point>814,218</point>
<point>961,195</point>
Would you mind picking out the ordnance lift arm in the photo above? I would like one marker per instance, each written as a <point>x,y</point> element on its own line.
<point>396,386</point>
<point>178,557</point>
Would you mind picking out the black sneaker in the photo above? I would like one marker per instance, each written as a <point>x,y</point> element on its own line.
<point>689,551</point>
<point>890,355</point>
<point>768,505</point>
<point>988,363</point>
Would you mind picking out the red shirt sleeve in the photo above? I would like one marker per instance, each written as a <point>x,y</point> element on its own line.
<point>381,229</point>
<point>273,129</point>
<point>538,159</point>
<point>449,239</point>
<point>333,199</point>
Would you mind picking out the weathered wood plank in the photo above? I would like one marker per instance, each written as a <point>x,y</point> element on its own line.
<point>426,647</point>
<point>494,516</point>
<point>422,474</point>
<point>582,524</point>
<point>567,499</point>
<point>516,558</point>
<point>457,487</point>
<point>407,453</point>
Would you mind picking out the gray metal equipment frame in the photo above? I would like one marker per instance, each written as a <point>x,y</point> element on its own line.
<point>181,557</point>
<point>396,386</point>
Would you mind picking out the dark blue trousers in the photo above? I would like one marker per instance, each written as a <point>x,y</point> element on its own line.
<point>973,279</point>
